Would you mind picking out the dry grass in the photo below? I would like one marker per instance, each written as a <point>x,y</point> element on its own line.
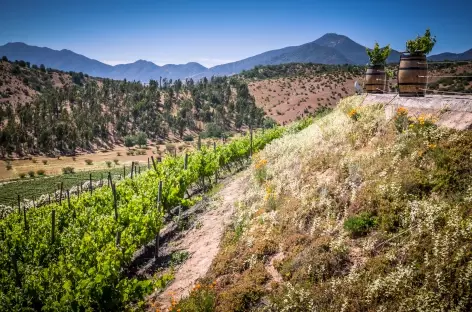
<point>411,187</point>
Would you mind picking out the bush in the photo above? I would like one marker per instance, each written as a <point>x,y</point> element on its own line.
<point>89,162</point>
<point>141,139</point>
<point>360,224</point>
<point>74,158</point>
<point>188,138</point>
<point>68,170</point>
<point>118,154</point>
<point>116,161</point>
<point>108,163</point>
<point>9,165</point>
<point>41,172</point>
<point>212,130</point>
<point>34,160</point>
<point>31,173</point>
<point>45,161</point>
<point>129,141</point>
<point>22,175</point>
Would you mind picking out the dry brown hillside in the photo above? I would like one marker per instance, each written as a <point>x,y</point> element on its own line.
<point>285,99</point>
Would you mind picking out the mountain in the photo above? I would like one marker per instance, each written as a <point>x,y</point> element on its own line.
<point>353,51</point>
<point>67,60</point>
<point>331,48</point>
<point>465,56</point>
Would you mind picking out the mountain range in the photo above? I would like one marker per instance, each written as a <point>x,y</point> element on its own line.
<point>329,49</point>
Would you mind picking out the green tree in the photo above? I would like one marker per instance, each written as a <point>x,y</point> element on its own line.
<point>129,141</point>
<point>141,139</point>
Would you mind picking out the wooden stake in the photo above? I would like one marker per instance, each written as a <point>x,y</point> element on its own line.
<point>149,165</point>
<point>132,169</point>
<point>19,205</point>
<point>185,161</point>
<point>60,195</point>
<point>115,204</point>
<point>156,243</point>
<point>53,225</point>
<point>153,163</point>
<point>24,217</point>
<point>124,171</point>
<point>90,185</point>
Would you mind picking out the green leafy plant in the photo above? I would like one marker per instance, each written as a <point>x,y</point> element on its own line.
<point>377,55</point>
<point>360,224</point>
<point>421,45</point>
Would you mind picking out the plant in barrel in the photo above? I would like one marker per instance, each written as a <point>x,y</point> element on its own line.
<point>413,70</point>
<point>375,78</point>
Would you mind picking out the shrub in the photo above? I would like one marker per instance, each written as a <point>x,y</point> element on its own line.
<point>45,161</point>
<point>22,175</point>
<point>212,130</point>
<point>108,162</point>
<point>141,139</point>
<point>359,225</point>
<point>116,161</point>
<point>129,141</point>
<point>188,138</point>
<point>34,160</point>
<point>68,170</point>
<point>118,154</point>
<point>201,298</point>
<point>41,172</point>
<point>31,173</point>
<point>89,162</point>
<point>9,165</point>
<point>74,158</point>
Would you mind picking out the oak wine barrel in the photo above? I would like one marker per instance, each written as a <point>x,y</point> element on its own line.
<point>375,79</point>
<point>412,75</point>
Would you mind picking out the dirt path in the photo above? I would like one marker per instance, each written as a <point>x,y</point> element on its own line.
<point>202,241</point>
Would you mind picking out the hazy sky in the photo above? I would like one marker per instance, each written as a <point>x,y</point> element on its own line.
<point>215,32</point>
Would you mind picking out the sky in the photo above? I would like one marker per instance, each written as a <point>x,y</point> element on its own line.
<point>213,32</point>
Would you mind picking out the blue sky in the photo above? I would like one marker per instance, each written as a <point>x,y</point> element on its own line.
<point>214,32</point>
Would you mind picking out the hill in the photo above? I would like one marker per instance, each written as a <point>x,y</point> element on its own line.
<point>354,213</point>
<point>329,49</point>
<point>52,112</point>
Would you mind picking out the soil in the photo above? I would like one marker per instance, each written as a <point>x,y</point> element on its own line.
<point>202,241</point>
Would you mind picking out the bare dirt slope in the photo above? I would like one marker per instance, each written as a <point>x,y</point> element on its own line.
<point>285,99</point>
<point>202,241</point>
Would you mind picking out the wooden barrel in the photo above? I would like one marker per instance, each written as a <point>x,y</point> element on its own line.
<point>375,79</point>
<point>412,75</point>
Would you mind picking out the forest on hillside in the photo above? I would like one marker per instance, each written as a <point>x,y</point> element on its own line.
<point>80,112</point>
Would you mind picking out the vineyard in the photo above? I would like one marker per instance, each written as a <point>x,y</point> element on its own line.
<point>72,255</point>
